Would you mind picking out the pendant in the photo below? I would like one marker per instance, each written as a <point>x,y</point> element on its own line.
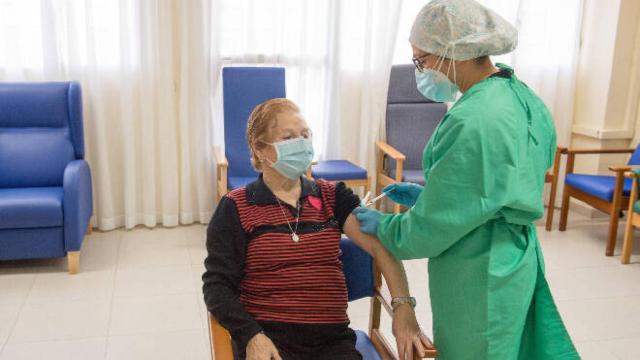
<point>295,237</point>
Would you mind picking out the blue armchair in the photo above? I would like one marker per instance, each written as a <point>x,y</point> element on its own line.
<point>363,280</point>
<point>45,183</point>
<point>243,89</point>
<point>609,194</point>
<point>410,122</point>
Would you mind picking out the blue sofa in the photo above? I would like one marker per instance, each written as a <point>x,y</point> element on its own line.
<point>45,183</point>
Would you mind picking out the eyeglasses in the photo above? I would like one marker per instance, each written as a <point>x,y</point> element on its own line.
<point>417,61</point>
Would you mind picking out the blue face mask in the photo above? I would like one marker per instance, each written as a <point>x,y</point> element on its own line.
<point>294,157</point>
<point>436,86</point>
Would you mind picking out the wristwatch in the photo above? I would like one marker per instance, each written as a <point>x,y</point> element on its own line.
<point>397,301</point>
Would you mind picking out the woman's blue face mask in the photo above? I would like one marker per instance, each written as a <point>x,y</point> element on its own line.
<point>294,157</point>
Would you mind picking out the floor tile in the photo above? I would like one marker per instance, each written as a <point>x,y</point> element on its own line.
<point>157,280</point>
<point>86,284</point>
<point>15,286</point>
<point>595,350</point>
<point>84,349</point>
<point>153,314</point>
<point>625,349</point>
<point>61,320</point>
<point>143,247</point>
<point>188,345</point>
<point>9,312</point>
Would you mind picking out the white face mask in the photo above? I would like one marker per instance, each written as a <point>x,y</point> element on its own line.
<point>294,157</point>
<point>435,85</point>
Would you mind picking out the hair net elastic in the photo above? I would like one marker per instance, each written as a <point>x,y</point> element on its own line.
<point>462,30</point>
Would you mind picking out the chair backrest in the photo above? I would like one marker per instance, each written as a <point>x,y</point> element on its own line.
<point>243,89</point>
<point>40,132</point>
<point>357,266</point>
<point>411,118</point>
<point>635,157</point>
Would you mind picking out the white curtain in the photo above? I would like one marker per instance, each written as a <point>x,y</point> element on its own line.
<point>144,70</point>
<point>337,56</point>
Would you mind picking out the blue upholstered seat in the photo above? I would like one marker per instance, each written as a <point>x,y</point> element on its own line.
<point>45,183</point>
<point>243,89</point>
<point>365,346</point>
<point>597,185</point>
<point>334,170</point>
<point>24,208</point>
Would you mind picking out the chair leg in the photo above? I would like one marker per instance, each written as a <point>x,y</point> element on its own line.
<point>550,210</point>
<point>613,231</point>
<point>73,260</point>
<point>89,229</point>
<point>552,203</point>
<point>564,210</point>
<point>627,245</point>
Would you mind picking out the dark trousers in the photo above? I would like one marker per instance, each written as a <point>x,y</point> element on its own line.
<point>311,341</point>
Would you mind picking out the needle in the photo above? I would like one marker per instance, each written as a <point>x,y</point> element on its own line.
<point>365,199</point>
<point>372,201</point>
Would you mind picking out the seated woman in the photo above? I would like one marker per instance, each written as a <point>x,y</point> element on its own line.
<point>273,274</point>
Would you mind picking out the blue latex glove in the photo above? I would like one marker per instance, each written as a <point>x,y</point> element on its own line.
<point>404,193</point>
<point>368,219</point>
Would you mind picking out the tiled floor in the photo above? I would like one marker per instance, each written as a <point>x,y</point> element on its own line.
<point>138,297</point>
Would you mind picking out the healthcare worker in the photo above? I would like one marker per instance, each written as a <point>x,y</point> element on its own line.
<point>484,169</point>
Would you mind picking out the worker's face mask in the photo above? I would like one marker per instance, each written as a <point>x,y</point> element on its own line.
<point>293,157</point>
<point>435,85</point>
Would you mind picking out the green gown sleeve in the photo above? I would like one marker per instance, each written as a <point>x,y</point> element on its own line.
<point>473,165</point>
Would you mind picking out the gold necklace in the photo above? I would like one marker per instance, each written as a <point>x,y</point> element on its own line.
<point>294,235</point>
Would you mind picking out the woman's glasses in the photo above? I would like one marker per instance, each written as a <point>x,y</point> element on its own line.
<point>418,62</point>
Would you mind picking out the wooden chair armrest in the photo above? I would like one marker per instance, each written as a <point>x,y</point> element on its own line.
<point>429,350</point>
<point>598,151</point>
<point>219,157</point>
<point>619,168</point>
<point>390,150</point>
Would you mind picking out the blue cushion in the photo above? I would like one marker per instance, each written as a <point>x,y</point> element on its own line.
<point>24,208</point>
<point>236,182</point>
<point>365,346</point>
<point>243,89</point>
<point>415,176</point>
<point>357,266</point>
<point>19,154</point>
<point>44,105</point>
<point>335,170</point>
<point>597,185</point>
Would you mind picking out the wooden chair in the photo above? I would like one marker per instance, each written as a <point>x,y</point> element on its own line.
<point>609,194</point>
<point>360,284</point>
<point>552,177</point>
<point>410,121</point>
<point>633,217</point>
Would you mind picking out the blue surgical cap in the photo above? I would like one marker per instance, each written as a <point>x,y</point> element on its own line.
<point>462,30</point>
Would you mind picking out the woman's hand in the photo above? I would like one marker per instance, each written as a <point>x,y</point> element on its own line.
<point>406,331</point>
<point>260,347</point>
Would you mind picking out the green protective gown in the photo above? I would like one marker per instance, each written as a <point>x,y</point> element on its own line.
<point>484,169</point>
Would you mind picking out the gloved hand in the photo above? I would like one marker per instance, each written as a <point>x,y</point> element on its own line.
<point>404,193</point>
<point>368,219</point>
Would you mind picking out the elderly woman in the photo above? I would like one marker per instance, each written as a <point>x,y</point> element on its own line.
<point>484,169</point>
<point>273,275</point>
